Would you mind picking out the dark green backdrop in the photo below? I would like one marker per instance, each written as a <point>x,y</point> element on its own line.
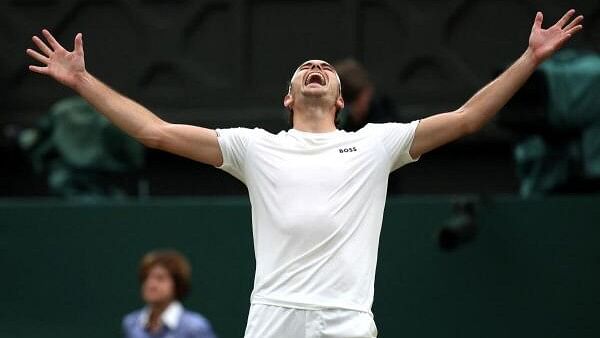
<point>69,270</point>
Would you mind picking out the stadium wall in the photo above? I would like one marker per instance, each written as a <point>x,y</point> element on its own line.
<point>69,269</point>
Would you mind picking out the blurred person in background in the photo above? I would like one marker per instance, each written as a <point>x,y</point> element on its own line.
<point>81,154</point>
<point>165,281</point>
<point>362,103</point>
<point>317,193</point>
<point>556,118</point>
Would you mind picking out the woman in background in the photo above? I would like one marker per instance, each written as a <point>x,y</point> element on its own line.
<point>165,281</point>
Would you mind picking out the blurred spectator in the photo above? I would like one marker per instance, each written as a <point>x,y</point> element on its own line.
<point>81,153</point>
<point>165,278</point>
<point>362,104</point>
<point>557,116</point>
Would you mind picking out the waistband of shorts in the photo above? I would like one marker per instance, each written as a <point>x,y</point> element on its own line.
<point>306,306</point>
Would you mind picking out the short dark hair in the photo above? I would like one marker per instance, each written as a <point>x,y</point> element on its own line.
<point>175,263</point>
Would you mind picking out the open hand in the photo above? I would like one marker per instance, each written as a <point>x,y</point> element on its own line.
<point>544,42</point>
<point>64,66</point>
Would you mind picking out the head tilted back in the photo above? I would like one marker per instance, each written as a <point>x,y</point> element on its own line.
<point>291,110</point>
<point>298,69</point>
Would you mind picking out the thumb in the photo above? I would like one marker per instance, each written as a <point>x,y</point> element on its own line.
<point>539,18</point>
<point>79,43</point>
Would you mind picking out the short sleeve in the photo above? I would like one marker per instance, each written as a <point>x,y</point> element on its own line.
<point>234,144</point>
<point>397,139</point>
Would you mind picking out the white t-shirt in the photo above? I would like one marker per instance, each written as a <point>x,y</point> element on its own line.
<point>317,207</point>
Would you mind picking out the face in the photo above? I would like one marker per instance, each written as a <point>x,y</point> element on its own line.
<point>315,79</point>
<point>159,287</point>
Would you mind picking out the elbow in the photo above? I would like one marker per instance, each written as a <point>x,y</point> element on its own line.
<point>471,128</point>
<point>152,136</point>
<point>468,125</point>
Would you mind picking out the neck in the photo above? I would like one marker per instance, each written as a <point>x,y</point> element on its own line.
<point>156,311</point>
<point>314,119</point>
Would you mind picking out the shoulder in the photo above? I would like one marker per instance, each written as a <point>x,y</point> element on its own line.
<point>131,319</point>
<point>372,128</point>
<point>242,131</point>
<point>389,126</point>
<point>240,138</point>
<point>195,322</point>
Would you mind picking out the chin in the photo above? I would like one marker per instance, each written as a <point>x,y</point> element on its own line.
<point>315,92</point>
<point>153,300</point>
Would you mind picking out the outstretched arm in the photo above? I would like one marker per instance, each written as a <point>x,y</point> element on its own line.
<point>437,130</point>
<point>68,68</point>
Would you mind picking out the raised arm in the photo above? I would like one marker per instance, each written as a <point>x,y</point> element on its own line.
<point>437,130</point>
<point>68,68</point>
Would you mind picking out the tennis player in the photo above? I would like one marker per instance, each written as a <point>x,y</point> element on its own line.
<point>317,193</point>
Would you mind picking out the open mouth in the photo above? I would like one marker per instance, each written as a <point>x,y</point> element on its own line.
<point>315,78</point>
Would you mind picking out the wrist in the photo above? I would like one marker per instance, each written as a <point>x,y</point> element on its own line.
<point>531,58</point>
<point>81,80</point>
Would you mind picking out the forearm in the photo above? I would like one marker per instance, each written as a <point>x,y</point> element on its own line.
<point>484,105</point>
<point>126,114</point>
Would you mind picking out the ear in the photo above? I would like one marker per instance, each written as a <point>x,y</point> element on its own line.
<point>288,101</point>
<point>339,103</point>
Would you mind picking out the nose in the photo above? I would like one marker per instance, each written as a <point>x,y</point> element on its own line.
<point>317,66</point>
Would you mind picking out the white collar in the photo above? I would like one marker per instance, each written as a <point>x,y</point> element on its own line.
<point>170,317</point>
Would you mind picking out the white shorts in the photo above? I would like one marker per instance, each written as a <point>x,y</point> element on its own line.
<point>268,321</point>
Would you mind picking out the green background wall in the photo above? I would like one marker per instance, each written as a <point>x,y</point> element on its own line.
<point>69,269</point>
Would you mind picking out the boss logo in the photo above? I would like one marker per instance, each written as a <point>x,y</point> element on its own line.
<point>347,150</point>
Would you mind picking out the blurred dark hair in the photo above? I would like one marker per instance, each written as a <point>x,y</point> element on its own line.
<point>354,77</point>
<point>177,265</point>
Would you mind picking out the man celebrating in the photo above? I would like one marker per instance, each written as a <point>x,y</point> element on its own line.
<point>317,193</point>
